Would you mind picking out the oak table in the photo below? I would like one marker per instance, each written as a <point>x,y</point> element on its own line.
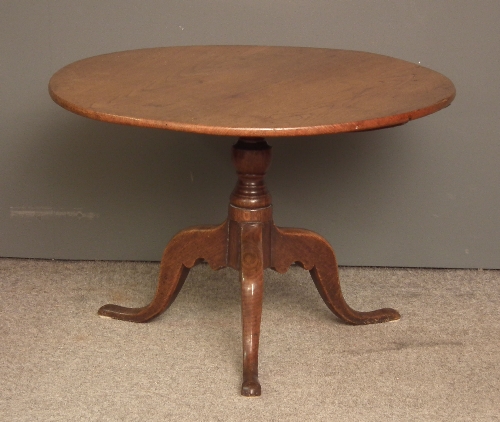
<point>250,92</point>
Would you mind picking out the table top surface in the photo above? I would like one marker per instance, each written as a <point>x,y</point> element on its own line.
<point>251,90</point>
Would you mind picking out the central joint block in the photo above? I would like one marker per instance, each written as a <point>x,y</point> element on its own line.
<point>251,157</point>
<point>238,219</point>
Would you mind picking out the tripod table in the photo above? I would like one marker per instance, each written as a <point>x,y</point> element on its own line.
<point>253,93</point>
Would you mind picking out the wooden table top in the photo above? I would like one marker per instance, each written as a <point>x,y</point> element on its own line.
<point>250,90</point>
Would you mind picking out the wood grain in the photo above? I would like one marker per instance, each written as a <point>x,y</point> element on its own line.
<point>251,90</point>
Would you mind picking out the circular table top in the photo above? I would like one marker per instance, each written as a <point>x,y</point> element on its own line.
<point>250,90</point>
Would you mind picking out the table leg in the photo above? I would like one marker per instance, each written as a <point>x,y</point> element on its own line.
<point>187,248</point>
<point>252,279</point>
<point>314,253</point>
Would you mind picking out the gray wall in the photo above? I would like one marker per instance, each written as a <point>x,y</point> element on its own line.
<point>424,194</point>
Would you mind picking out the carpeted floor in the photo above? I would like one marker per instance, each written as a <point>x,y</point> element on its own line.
<point>61,362</point>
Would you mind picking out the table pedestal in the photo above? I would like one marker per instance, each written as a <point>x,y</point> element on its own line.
<point>249,242</point>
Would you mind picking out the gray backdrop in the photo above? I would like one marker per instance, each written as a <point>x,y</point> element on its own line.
<point>424,194</point>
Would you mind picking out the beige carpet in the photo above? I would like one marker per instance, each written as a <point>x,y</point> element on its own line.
<point>61,362</point>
